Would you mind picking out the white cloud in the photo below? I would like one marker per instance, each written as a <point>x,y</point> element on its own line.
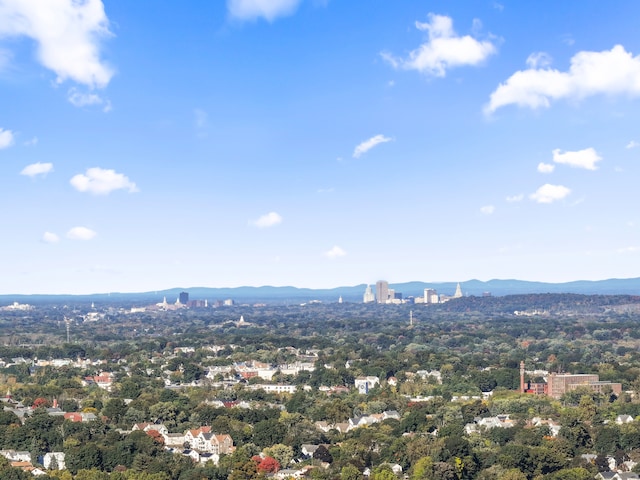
<point>629,250</point>
<point>83,99</point>
<point>633,144</point>
<point>270,219</point>
<point>608,72</point>
<point>268,9</point>
<point>32,142</point>
<point>546,167</point>
<point>515,198</point>
<point>367,145</point>
<point>6,138</point>
<point>539,60</point>
<point>81,233</point>
<point>100,181</point>
<point>49,237</point>
<point>487,209</point>
<point>586,158</point>
<point>335,252</point>
<point>68,35</point>
<point>550,193</point>
<point>444,49</point>
<point>37,169</point>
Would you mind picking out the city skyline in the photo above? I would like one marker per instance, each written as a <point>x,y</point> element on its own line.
<point>315,143</point>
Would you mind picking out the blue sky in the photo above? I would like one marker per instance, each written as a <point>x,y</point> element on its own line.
<point>155,144</point>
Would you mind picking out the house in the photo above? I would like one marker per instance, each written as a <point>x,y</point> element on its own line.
<point>145,427</point>
<point>622,419</point>
<point>192,437</point>
<point>364,384</point>
<point>16,456</point>
<point>80,417</point>
<point>308,450</point>
<point>53,459</point>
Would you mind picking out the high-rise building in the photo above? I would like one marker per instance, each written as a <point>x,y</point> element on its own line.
<point>430,296</point>
<point>184,298</point>
<point>368,296</point>
<point>382,291</point>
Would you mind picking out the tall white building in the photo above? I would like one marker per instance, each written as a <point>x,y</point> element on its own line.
<point>369,297</point>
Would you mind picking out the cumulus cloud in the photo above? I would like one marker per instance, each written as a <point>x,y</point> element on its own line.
<point>610,72</point>
<point>49,237</point>
<point>335,252</point>
<point>270,219</point>
<point>100,181</point>
<point>487,209</point>
<point>81,233</point>
<point>586,158</point>
<point>267,9</point>
<point>367,145</point>
<point>36,169</point>
<point>515,198</point>
<point>6,138</point>
<point>67,33</point>
<point>548,193</point>
<point>546,167</point>
<point>443,50</point>
<point>633,144</point>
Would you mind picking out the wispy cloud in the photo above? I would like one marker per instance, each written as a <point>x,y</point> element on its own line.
<point>515,198</point>
<point>610,72</point>
<point>443,50</point>
<point>49,237</point>
<point>83,99</point>
<point>633,144</point>
<point>31,142</point>
<point>487,209</point>
<point>367,145</point>
<point>586,158</point>
<point>36,169</point>
<point>81,233</point>
<point>67,33</point>
<point>270,219</point>
<point>6,138</point>
<point>335,252</point>
<point>100,181</point>
<point>546,167</point>
<point>267,9</point>
<point>550,193</point>
<point>538,60</point>
<point>629,250</point>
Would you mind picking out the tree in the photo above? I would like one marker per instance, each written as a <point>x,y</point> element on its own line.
<point>269,465</point>
<point>282,453</point>
<point>350,472</point>
<point>322,454</point>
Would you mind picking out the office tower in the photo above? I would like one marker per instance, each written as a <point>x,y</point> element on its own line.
<point>184,297</point>
<point>382,291</point>
<point>368,296</point>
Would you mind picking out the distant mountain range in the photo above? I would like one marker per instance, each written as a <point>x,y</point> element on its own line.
<point>284,295</point>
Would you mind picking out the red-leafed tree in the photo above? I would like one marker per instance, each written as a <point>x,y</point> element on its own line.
<point>40,402</point>
<point>269,464</point>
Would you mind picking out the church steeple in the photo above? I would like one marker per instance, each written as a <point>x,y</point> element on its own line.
<point>458,293</point>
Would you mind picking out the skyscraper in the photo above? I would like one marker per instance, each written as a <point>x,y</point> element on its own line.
<point>382,291</point>
<point>184,298</point>
<point>368,297</point>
